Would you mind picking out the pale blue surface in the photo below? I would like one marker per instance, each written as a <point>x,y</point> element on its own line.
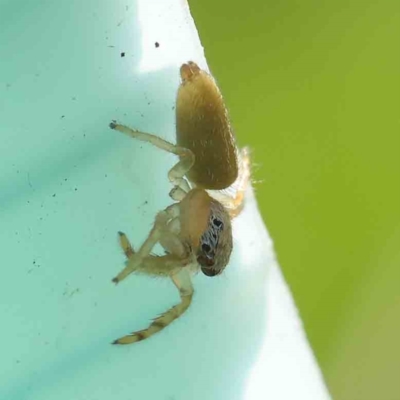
<point>67,185</point>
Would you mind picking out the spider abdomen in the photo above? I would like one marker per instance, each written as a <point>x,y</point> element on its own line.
<point>202,125</point>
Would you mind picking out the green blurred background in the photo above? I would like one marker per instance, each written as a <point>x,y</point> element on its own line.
<point>313,87</point>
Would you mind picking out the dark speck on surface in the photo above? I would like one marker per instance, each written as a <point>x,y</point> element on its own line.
<point>157,44</point>
<point>123,54</point>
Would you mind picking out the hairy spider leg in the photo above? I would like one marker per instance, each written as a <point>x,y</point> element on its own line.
<point>161,232</point>
<point>232,198</point>
<point>183,283</point>
<point>125,245</point>
<point>186,157</point>
<point>151,264</point>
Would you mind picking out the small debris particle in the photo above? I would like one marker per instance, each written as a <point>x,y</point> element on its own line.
<point>157,45</point>
<point>123,54</point>
<point>73,292</point>
<point>62,116</point>
<point>54,195</point>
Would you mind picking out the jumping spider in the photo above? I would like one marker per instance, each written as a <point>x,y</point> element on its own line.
<point>209,181</point>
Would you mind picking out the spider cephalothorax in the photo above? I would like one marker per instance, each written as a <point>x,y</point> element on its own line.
<point>216,242</point>
<point>196,230</point>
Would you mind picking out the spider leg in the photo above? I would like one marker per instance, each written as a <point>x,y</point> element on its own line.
<point>177,193</point>
<point>171,243</point>
<point>166,265</point>
<point>186,157</point>
<point>125,245</point>
<point>177,257</point>
<point>136,258</point>
<point>183,283</point>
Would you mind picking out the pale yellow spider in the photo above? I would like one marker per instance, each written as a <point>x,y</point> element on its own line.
<point>209,181</point>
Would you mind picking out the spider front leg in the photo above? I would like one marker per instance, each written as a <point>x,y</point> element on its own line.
<point>183,283</point>
<point>172,266</point>
<point>161,232</point>
<point>186,157</point>
<point>125,245</point>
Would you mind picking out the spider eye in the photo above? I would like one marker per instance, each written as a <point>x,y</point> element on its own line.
<point>206,255</point>
<point>218,223</point>
<point>205,258</point>
<point>206,247</point>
